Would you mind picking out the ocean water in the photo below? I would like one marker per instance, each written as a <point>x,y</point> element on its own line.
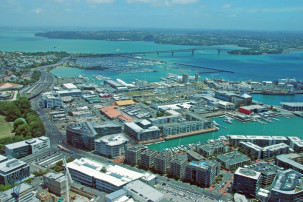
<point>284,127</point>
<point>258,68</point>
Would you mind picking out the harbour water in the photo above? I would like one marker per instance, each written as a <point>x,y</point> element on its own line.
<point>259,68</point>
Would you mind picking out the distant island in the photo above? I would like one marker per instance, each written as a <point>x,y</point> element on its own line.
<point>256,42</point>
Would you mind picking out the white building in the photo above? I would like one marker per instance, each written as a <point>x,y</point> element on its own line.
<point>49,100</point>
<point>69,86</point>
<point>27,147</point>
<point>11,170</point>
<point>107,178</point>
<point>143,192</point>
<point>111,145</point>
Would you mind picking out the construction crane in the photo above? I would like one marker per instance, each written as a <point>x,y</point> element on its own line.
<point>16,189</point>
<point>68,180</point>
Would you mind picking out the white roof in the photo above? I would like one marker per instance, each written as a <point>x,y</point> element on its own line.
<point>248,173</point>
<point>115,175</point>
<point>69,86</point>
<point>113,140</point>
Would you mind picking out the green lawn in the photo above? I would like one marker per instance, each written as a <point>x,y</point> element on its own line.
<point>5,128</point>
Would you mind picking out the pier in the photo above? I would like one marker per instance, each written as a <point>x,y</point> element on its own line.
<point>214,70</point>
<point>191,133</point>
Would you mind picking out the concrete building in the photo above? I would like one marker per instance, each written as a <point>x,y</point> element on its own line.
<point>274,150</point>
<point>11,170</point>
<point>194,156</point>
<point>287,186</point>
<point>261,141</point>
<point>177,166</point>
<point>185,78</point>
<point>26,194</point>
<point>292,106</point>
<point>211,149</point>
<point>133,154</point>
<point>182,127</point>
<point>117,196</point>
<point>164,119</point>
<point>162,161</point>
<point>82,135</point>
<point>111,145</point>
<point>69,86</point>
<point>252,149</point>
<point>292,140</point>
<point>27,147</point>
<point>149,179</point>
<point>242,99</point>
<point>142,192</point>
<point>298,146</point>
<point>233,160</point>
<point>196,77</point>
<point>268,172</point>
<point>246,181</point>
<point>50,100</point>
<point>107,178</point>
<point>148,158</point>
<point>203,173</point>
<point>55,182</point>
<point>292,160</point>
<point>236,139</point>
<point>142,131</point>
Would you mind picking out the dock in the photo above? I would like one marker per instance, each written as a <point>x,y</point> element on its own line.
<point>191,133</point>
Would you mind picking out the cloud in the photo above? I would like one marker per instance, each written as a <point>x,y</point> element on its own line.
<point>9,4</point>
<point>38,10</point>
<point>163,2</point>
<point>100,1</point>
<point>276,10</point>
<point>226,6</point>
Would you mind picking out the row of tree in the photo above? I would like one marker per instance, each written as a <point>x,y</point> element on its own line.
<point>27,124</point>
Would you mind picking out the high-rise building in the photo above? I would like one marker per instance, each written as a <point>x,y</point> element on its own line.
<point>196,77</point>
<point>246,181</point>
<point>185,78</point>
<point>133,154</point>
<point>162,161</point>
<point>203,172</point>
<point>148,158</point>
<point>177,166</point>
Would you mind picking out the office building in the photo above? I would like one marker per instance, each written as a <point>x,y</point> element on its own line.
<point>233,160</point>
<point>142,192</point>
<point>292,160</point>
<point>82,135</point>
<point>50,100</point>
<point>133,154</point>
<point>55,182</point>
<point>27,147</point>
<point>212,148</point>
<point>185,78</point>
<point>11,170</point>
<point>142,131</point>
<point>107,178</point>
<point>111,145</point>
<point>148,158</point>
<point>162,161</point>
<point>203,173</point>
<point>242,99</point>
<point>287,187</point>
<point>177,166</point>
<point>246,181</point>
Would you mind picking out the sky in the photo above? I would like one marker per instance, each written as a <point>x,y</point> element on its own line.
<point>180,14</point>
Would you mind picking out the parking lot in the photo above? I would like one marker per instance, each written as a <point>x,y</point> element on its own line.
<point>176,193</point>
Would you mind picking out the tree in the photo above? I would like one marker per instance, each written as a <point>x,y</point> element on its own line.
<point>17,123</point>
<point>23,130</point>
<point>23,104</point>
<point>10,110</point>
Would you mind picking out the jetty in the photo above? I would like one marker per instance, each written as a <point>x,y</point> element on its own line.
<point>191,133</point>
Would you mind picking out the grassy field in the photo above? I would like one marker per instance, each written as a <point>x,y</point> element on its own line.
<point>5,128</point>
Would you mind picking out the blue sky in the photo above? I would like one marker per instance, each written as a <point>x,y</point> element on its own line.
<point>197,14</point>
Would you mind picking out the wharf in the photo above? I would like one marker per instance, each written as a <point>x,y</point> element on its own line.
<point>191,133</point>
